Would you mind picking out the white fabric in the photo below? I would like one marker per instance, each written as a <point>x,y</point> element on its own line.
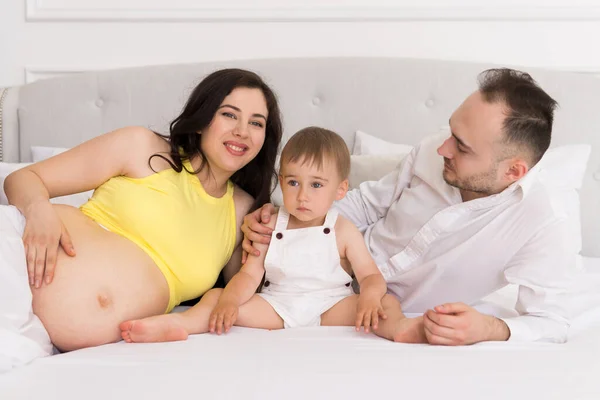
<point>22,335</point>
<point>323,362</point>
<point>5,170</point>
<point>562,170</point>
<point>432,248</point>
<point>307,363</point>
<point>74,200</point>
<point>372,167</point>
<point>39,153</point>
<point>368,144</point>
<point>303,274</point>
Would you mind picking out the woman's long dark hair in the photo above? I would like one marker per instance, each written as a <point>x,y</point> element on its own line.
<point>256,177</point>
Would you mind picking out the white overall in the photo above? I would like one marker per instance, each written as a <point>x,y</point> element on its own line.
<point>304,277</point>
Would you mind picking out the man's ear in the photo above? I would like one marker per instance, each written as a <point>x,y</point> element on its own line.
<point>516,170</point>
<point>342,190</point>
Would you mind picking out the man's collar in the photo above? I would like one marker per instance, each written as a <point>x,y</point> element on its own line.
<point>526,182</point>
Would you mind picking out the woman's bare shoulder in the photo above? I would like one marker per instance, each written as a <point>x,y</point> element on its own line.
<point>242,200</point>
<point>147,140</point>
<point>145,143</point>
<point>241,196</point>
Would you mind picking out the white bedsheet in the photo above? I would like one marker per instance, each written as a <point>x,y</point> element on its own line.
<point>324,363</point>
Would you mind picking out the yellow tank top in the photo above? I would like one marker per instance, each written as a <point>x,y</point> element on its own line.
<point>189,234</point>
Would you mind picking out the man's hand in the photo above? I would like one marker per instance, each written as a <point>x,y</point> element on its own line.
<point>454,324</point>
<point>255,231</point>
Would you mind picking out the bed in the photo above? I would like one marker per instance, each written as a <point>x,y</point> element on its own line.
<point>395,100</point>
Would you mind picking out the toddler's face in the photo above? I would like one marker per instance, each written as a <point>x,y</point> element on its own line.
<point>309,192</point>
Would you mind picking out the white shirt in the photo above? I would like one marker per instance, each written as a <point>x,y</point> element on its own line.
<point>433,248</point>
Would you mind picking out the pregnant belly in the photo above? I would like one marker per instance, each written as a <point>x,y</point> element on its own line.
<point>110,280</point>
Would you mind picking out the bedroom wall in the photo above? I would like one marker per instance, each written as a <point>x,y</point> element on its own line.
<point>42,38</point>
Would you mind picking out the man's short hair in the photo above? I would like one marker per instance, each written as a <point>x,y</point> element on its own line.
<point>529,109</point>
<point>313,144</point>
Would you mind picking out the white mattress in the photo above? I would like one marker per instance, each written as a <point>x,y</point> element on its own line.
<point>324,363</point>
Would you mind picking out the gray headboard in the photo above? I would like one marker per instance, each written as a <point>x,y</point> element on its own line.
<point>401,100</point>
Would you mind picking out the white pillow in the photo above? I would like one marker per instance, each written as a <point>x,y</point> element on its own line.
<point>372,167</point>
<point>368,144</point>
<point>362,168</point>
<point>562,170</point>
<point>39,153</point>
<point>5,170</point>
<point>564,166</point>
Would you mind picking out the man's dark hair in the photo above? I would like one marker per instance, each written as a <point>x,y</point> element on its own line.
<point>529,109</point>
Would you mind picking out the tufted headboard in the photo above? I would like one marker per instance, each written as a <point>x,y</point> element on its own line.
<point>401,100</point>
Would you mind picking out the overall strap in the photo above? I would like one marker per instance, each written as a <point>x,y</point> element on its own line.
<point>330,219</point>
<point>283,218</point>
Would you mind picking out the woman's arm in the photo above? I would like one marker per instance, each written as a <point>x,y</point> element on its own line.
<point>243,202</point>
<point>87,166</point>
<point>244,284</point>
<point>256,229</point>
<point>82,168</point>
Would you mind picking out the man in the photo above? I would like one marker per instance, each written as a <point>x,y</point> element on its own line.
<point>465,216</point>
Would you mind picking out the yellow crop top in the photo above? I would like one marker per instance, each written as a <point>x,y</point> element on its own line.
<point>189,234</point>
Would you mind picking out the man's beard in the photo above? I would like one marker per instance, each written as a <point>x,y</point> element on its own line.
<point>479,183</point>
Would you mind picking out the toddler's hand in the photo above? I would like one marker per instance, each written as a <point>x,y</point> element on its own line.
<point>223,317</point>
<point>368,312</point>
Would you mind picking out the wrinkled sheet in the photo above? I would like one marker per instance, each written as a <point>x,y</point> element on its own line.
<point>327,362</point>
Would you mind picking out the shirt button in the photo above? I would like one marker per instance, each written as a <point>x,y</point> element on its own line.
<point>267,283</point>
<point>279,235</point>
<point>326,231</point>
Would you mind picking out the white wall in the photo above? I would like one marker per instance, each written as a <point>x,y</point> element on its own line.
<point>40,38</point>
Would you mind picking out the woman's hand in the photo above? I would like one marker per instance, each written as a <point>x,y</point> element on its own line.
<point>368,312</point>
<point>223,317</point>
<point>44,233</point>
<point>255,231</point>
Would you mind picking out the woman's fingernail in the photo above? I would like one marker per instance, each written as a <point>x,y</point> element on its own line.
<point>37,283</point>
<point>47,280</point>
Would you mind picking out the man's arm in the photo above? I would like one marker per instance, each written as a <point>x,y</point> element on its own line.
<point>370,202</point>
<point>544,270</point>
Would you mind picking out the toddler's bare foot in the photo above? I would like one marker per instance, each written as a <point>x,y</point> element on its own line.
<point>410,330</point>
<point>162,328</point>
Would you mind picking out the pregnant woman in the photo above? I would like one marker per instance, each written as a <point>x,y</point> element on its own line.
<point>164,219</point>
